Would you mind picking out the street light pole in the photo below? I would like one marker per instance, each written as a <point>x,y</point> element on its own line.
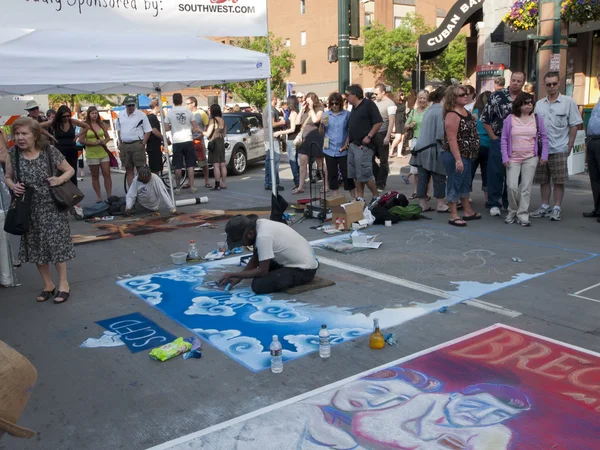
<point>343,45</point>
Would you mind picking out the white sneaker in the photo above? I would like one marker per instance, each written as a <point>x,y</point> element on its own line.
<point>495,211</point>
<point>541,212</point>
<point>556,215</point>
<point>509,219</point>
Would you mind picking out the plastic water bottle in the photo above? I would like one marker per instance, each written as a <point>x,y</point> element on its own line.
<point>193,250</point>
<point>324,342</point>
<point>276,355</point>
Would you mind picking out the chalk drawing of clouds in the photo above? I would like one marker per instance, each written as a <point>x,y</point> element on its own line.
<point>247,297</point>
<point>277,311</point>
<point>207,306</point>
<point>246,350</point>
<point>215,336</point>
<point>306,343</point>
<point>142,287</point>
<point>194,271</point>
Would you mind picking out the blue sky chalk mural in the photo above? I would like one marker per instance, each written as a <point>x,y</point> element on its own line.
<point>241,324</point>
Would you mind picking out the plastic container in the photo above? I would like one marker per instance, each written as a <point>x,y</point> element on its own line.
<point>179,258</point>
<point>222,247</point>
<point>276,355</point>
<point>324,342</point>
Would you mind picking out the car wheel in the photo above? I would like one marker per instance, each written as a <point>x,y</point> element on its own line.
<point>239,161</point>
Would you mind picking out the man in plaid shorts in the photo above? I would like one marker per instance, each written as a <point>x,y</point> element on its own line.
<point>561,118</point>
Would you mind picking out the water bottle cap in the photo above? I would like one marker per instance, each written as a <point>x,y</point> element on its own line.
<point>192,241</point>
<point>324,326</point>
<point>275,338</point>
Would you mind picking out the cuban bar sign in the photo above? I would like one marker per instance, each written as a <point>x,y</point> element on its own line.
<point>460,14</point>
<point>200,17</point>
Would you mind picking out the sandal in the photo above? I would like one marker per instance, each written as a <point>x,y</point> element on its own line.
<point>475,216</point>
<point>45,295</point>
<point>208,186</point>
<point>323,191</point>
<point>216,188</point>
<point>297,191</point>
<point>405,179</point>
<point>412,197</point>
<point>458,222</point>
<point>427,210</point>
<point>62,297</point>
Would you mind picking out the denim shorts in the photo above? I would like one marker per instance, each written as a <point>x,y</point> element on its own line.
<point>458,185</point>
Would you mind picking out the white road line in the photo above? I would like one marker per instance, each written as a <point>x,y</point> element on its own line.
<point>585,298</point>
<point>587,289</point>
<point>492,307</point>
<point>387,278</point>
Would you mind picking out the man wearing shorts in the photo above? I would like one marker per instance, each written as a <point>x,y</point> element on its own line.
<point>365,120</point>
<point>561,119</point>
<point>201,119</point>
<point>180,121</point>
<point>133,130</point>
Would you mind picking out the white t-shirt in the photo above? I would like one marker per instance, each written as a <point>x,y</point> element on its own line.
<point>180,118</point>
<point>386,107</point>
<point>149,195</point>
<point>277,241</point>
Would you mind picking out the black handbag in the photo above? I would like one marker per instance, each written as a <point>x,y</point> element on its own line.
<point>540,147</point>
<point>65,195</point>
<point>18,216</point>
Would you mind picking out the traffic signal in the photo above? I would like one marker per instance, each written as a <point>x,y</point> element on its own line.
<point>354,19</point>
<point>357,53</point>
<point>332,53</point>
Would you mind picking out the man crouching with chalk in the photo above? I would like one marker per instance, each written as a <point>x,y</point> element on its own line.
<point>282,258</point>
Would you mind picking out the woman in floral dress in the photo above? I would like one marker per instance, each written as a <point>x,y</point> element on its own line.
<point>49,238</point>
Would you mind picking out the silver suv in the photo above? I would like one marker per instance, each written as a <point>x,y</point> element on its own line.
<point>245,140</point>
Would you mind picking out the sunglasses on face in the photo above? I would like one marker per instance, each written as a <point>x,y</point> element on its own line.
<point>34,109</point>
<point>464,94</point>
<point>66,116</point>
<point>334,103</point>
<point>528,102</point>
<point>551,84</point>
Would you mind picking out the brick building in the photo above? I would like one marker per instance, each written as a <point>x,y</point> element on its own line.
<point>308,27</point>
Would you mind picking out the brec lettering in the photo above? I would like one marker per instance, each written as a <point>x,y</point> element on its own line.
<point>508,347</point>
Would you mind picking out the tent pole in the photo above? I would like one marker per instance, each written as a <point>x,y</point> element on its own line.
<point>271,139</point>
<point>164,135</point>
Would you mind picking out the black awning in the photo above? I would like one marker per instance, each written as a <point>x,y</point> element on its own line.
<point>461,13</point>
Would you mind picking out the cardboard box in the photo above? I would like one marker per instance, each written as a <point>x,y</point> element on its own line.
<point>333,201</point>
<point>348,212</point>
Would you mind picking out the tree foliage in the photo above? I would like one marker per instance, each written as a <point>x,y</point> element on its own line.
<point>393,53</point>
<point>74,101</point>
<point>282,61</point>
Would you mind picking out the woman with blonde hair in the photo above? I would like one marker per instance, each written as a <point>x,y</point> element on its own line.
<point>311,148</point>
<point>461,147</point>
<point>96,152</point>
<point>33,163</point>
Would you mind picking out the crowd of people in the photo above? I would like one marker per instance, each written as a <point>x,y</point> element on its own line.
<point>450,134</point>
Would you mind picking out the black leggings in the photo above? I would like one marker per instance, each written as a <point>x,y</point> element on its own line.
<point>72,158</point>
<point>335,166</point>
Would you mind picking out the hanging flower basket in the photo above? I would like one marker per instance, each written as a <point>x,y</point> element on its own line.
<point>580,11</point>
<point>523,15</point>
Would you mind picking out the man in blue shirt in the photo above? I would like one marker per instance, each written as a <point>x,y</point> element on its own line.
<point>335,126</point>
<point>592,155</point>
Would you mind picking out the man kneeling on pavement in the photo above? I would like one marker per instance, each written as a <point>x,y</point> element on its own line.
<point>145,194</point>
<point>282,258</point>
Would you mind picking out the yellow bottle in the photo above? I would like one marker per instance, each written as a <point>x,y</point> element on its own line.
<point>376,340</point>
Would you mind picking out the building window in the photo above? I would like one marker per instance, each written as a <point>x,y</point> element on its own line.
<point>397,22</point>
<point>369,19</point>
<point>303,67</point>
<point>302,6</point>
<point>303,38</point>
<point>288,43</point>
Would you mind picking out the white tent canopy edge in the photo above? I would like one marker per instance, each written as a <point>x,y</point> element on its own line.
<point>33,63</point>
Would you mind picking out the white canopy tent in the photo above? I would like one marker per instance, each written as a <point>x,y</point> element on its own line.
<point>77,62</point>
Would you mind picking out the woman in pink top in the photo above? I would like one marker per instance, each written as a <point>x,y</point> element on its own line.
<point>524,145</point>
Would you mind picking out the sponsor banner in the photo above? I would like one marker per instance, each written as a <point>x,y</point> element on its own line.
<point>200,17</point>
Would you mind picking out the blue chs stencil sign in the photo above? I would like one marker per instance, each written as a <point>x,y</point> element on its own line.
<point>137,332</point>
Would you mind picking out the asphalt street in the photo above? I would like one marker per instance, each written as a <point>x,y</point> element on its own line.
<point>109,398</point>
